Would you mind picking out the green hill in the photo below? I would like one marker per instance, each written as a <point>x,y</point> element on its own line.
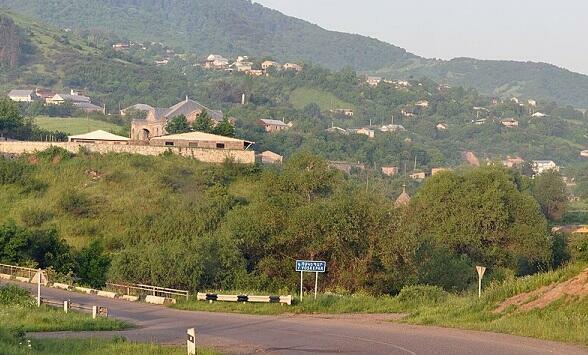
<point>239,27</point>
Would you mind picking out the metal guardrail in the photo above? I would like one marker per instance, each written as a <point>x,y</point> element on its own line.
<point>17,271</point>
<point>141,290</point>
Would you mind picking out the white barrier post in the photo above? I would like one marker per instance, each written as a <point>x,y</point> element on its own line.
<point>191,341</point>
<point>481,270</point>
<point>39,290</point>
<point>94,312</point>
<point>65,306</point>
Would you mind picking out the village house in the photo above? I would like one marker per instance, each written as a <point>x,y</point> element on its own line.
<point>271,126</point>
<point>269,64</point>
<point>335,129</point>
<point>200,140</point>
<point>401,83</point>
<point>441,127</point>
<point>242,66</point>
<point>392,128</point>
<point>73,97</point>
<point>366,132</point>
<point>538,115</point>
<point>418,176</point>
<point>541,166</point>
<point>346,167</point>
<point>342,111</point>
<point>22,95</point>
<point>511,162</point>
<point>435,171</point>
<point>479,122</point>
<point>510,123</point>
<point>532,102</point>
<point>162,61</point>
<point>408,112</point>
<point>256,72</point>
<point>584,153</point>
<point>268,157</point>
<point>89,107</point>
<point>44,94</point>
<point>157,118</point>
<point>99,137</point>
<point>373,80</point>
<point>389,170</point>
<point>292,66</point>
<point>121,46</point>
<point>422,104</point>
<point>215,61</point>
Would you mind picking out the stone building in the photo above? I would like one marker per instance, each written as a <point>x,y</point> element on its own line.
<point>201,140</point>
<point>157,118</point>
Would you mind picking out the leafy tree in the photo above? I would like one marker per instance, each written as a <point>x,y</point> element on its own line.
<point>92,264</point>
<point>550,191</point>
<point>224,128</point>
<point>312,110</point>
<point>178,124</point>
<point>203,123</point>
<point>10,117</point>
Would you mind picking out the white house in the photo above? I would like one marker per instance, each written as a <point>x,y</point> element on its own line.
<point>541,166</point>
<point>292,66</point>
<point>538,115</point>
<point>510,123</point>
<point>373,80</point>
<point>22,95</point>
<point>268,64</point>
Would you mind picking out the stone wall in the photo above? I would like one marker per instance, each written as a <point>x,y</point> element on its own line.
<point>201,154</point>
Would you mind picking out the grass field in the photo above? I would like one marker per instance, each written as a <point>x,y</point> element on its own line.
<point>301,97</point>
<point>76,125</point>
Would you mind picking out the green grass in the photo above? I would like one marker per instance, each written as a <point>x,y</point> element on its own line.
<point>565,320</point>
<point>77,125</point>
<point>301,97</point>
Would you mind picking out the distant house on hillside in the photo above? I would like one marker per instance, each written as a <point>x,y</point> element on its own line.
<point>422,104</point>
<point>215,61</point>
<point>441,127</point>
<point>435,171</point>
<point>373,80</point>
<point>72,97</point>
<point>335,129</point>
<point>541,166</point>
<point>44,94</point>
<point>271,126</point>
<point>366,132</point>
<point>121,46</point>
<point>22,95</point>
<point>511,162</point>
<point>389,170</point>
<point>157,118</point>
<point>342,111</point>
<point>584,153</point>
<point>269,64</point>
<point>392,128</point>
<point>99,137</point>
<point>403,199</point>
<point>419,176</point>
<point>538,115</point>
<point>268,157</point>
<point>292,66</point>
<point>510,123</point>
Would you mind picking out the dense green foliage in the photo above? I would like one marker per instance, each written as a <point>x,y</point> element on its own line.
<point>551,192</point>
<point>231,227</point>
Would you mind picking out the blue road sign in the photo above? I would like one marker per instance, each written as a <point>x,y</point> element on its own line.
<point>311,266</point>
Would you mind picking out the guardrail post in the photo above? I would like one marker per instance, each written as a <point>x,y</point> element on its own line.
<point>94,312</point>
<point>191,341</point>
<point>65,306</point>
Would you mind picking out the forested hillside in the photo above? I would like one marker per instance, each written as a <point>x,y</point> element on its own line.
<point>10,43</point>
<point>239,27</point>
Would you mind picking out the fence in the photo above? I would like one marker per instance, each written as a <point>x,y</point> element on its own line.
<point>144,290</point>
<point>96,311</point>
<point>17,271</point>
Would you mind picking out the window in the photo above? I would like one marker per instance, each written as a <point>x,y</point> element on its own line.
<point>169,144</point>
<point>193,144</point>
<point>220,146</point>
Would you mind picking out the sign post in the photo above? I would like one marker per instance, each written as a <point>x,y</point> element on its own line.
<point>39,279</point>
<point>303,266</point>
<point>191,341</point>
<point>481,270</point>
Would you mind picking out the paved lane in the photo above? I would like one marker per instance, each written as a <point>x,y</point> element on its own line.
<point>302,334</point>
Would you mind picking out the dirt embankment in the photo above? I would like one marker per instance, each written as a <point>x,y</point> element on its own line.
<point>541,298</point>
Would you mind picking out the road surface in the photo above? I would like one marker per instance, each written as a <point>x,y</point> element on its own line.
<point>300,334</point>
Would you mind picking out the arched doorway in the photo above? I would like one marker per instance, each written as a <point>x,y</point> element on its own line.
<point>146,134</point>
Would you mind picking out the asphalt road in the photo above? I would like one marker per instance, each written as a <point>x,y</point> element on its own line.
<point>300,334</point>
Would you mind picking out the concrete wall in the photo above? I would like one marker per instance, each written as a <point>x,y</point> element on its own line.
<point>201,154</point>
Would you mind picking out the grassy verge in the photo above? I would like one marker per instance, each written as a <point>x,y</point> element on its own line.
<point>563,320</point>
<point>76,125</point>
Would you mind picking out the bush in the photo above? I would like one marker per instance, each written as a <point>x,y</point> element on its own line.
<point>54,155</point>
<point>33,217</point>
<point>13,295</point>
<point>75,203</point>
<point>422,295</point>
<point>578,245</point>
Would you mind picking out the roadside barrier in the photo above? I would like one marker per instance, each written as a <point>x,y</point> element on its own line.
<point>211,297</point>
<point>97,311</point>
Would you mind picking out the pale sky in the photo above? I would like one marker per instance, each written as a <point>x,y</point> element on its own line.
<point>552,31</point>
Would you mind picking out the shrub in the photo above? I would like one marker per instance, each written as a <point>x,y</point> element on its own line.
<point>422,295</point>
<point>578,245</point>
<point>54,154</point>
<point>33,217</point>
<point>75,203</point>
<point>13,295</point>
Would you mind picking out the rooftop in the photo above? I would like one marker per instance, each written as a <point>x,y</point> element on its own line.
<point>99,135</point>
<point>200,136</point>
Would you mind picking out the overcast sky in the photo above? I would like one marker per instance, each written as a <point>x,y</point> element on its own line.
<point>552,31</point>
